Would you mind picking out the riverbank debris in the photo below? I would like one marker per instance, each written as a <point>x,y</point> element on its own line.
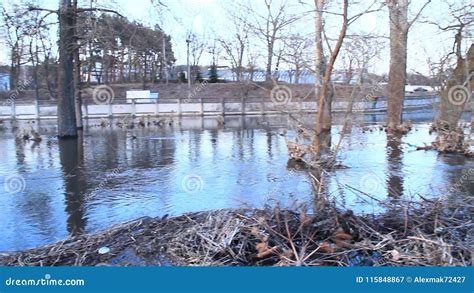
<point>432,232</point>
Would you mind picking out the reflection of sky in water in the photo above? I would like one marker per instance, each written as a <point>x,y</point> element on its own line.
<point>243,165</point>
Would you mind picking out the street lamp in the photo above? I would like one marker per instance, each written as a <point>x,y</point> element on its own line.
<point>188,41</point>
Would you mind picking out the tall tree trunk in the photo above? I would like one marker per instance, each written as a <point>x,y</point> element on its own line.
<point>239,70</point>
<point>297,74</point>
<point>14,68</point>
<point>49,84</point>
<point>91,65</point>
<point>122,65</point>
<point>268,74</point>
<point>77,73</point>
<point>323,88</point>
<point>145,69</point>
<point>398,13</point>
<point>457,92</point>
<point>323,111</point>
<point>66,109</point>
<point>105,66</point>
<point>34,63</point>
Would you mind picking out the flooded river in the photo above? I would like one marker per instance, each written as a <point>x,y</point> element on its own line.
<point>53,189</point>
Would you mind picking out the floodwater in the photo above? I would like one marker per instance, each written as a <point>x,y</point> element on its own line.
<point>53,189</point>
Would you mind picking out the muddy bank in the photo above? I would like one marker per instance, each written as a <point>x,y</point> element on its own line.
<point>409,234</point>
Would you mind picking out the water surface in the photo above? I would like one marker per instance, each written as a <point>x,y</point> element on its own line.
<point>112,175</point>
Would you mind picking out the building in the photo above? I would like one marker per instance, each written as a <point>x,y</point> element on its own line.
<point>4,82</point>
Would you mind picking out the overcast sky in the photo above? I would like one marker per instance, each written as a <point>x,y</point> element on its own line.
<point>207,19</point>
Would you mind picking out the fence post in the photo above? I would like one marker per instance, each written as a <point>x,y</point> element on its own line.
<point>262,106</point>
<point>134,110</point>
<point>110,110</point>
<point>223,106</point>
<point>179,106</point>
<point>202,107</point>
<point>86,109</point>
<point>157,108</point>
<point>37,108</point>
<point>242,106</point>
<point>13,109</point>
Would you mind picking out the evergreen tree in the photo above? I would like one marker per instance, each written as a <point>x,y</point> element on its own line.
<point>198,76</point>
<point>213,77</point>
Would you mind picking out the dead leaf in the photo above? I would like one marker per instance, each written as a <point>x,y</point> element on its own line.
<point>343,236</point>
<point>261,247</point>
<point>326,247</point>
<point>304,219</point>
<point>267,252</point>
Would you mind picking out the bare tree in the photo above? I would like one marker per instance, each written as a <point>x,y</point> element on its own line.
<point>453,69</point>
<point>67,124</point>
<point>16,28</point>
<point>399,27</point>
<point>322,85</point>
<point>197,48</point>
<point>323,70</point>
<point>235,45</point>
<point>269,26</point>
<point>358,52</point>
<point>297,54</point>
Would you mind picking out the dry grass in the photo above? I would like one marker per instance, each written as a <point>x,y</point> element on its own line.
<point>428,233</point>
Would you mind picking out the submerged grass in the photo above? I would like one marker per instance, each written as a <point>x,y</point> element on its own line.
<point>426,233</point>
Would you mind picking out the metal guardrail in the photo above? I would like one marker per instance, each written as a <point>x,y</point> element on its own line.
<point>200,106</point>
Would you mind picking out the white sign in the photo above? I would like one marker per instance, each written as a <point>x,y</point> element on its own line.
<point>140,96</point>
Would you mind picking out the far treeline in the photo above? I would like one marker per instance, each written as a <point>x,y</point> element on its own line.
<point>110,48</point>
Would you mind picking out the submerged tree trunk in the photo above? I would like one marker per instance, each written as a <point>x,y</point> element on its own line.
<point>66,105</point>
<point>323,89</point>
<point>398,14</point>
<point>77,74</point>
<point>454,97</point>
<point>457,92</point>
<point>319,71</point>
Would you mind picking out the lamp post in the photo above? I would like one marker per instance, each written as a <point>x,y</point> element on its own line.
<point>188,41</point>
